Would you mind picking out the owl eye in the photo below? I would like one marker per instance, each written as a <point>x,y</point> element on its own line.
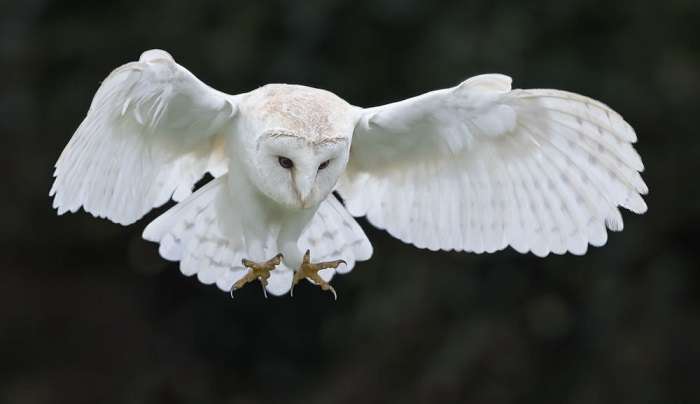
<point>285,162</point>
<point>324,165</point>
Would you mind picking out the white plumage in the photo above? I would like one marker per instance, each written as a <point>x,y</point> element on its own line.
<point>151,132</point>
<point>476,167</point>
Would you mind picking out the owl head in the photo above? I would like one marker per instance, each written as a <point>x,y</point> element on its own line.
<point>294,142</point>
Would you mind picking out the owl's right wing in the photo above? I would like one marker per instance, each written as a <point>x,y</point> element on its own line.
<point>153,129</point>
<point>480,166</point>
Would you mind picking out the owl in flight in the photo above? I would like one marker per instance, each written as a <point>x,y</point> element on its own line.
<point>476,167</point>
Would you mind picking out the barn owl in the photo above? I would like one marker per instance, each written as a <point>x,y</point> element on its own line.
<point>476,167</point>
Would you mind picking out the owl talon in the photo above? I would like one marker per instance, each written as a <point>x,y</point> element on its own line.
<point>259,271</point>
<point>309,270</point>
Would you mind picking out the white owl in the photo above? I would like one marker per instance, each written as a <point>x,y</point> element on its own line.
<point>476,167</point>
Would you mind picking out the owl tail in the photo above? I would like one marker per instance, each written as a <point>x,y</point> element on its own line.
<point>192,232</point>
<point>202,235</point>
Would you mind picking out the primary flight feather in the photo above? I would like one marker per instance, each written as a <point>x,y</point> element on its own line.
<point>476,167</point>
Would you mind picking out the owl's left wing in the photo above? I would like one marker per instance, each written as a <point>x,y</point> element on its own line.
<point>479,166</point>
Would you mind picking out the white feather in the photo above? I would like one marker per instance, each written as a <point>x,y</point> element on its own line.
<point>192,232</point>
<point>541,170</point>
<point>152,131</point>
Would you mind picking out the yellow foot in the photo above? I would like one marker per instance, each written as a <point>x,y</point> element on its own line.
<point>259,271</point>
<point>310,270</point>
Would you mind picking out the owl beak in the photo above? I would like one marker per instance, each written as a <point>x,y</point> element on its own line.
<point>304,185</point>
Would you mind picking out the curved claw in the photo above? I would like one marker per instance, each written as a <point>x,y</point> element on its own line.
<point>233,289</point>
<point>335,295</point>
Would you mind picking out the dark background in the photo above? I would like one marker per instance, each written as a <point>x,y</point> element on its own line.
<point>90,314</point>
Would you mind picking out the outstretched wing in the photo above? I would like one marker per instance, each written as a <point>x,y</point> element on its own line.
<point>152,131</point>
<point>479,166</point>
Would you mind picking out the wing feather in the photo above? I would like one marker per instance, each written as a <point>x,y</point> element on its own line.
<point>153,129</point>
<point>480,166</point>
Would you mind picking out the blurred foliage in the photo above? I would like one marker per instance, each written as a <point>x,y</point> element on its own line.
<point>89,312</point>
